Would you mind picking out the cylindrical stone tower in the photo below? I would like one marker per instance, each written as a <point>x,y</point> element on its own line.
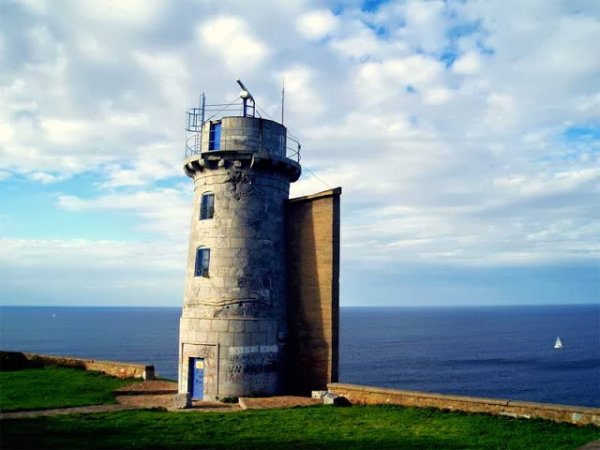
<point>233,324</point>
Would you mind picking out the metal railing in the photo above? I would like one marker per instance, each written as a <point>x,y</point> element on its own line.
<point>292,148</point>
<point>239,139</point>
<point>234,139</point>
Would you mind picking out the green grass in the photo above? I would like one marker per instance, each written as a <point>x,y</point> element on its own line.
<point>369,427</point>
<point>55,387</point>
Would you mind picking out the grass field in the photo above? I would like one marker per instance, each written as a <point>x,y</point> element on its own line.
<point>356,427</point>
<point>55,387</point>
<point>370,427</point>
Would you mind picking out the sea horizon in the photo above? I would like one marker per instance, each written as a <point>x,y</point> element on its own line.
<point>483,305</point>
<point>494,351</point>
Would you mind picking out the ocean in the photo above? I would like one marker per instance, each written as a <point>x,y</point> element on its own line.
<point>498,352</point>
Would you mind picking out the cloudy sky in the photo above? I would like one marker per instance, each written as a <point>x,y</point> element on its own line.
<point>465,135</point>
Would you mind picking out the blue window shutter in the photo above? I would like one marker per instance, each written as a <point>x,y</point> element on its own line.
<point>217,136</point>
<point>210,206</point>
<point>205,262</point>
<point>203,208</point>
<point>214,136</point>
<point>198,266</point>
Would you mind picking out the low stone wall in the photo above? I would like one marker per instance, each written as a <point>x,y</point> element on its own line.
<point>113,368</point>
<point>368,395</point>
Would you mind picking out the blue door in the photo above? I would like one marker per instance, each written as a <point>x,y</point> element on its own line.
<point>214,136</point>
<point>197,378</point>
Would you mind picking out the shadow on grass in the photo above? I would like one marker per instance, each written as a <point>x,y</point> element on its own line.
<point>302,428</point>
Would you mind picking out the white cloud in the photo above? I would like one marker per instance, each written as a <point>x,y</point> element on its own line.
<point>124,119</point>
<point>44,177</point>
<point>6,133</point>
<point>104,272</point>
<point>170,73</point>
<point>417,70</point>
<point>437,95</point>
<point>163,211</point>
<point>92,48</point>
<point>465,162</point>
<point>549,183</point>
<point>232,40</point>
<point>36,6</point>
<point>502,111</point>
<point>426,24</point>
<point>130,13</point>
<point>317,24</point>
<point>66,131</point>
<point>300,90</point>
<point>158,163</point>
<point>467,64</point>
<point>359,45</point>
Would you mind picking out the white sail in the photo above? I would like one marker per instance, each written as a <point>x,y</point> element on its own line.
<point>558,343</point>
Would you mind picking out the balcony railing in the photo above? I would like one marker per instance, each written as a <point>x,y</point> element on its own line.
<point>233,139</point>
<point>238,139</point>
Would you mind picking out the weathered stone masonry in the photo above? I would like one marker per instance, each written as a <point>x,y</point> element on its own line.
<point>236,317</point>
<point>370,395</point>
<point>19,360</point>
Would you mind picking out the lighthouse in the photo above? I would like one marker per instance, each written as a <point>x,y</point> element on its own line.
<point>235,322</point>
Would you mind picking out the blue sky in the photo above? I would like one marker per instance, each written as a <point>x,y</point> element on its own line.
<point>466,138</point>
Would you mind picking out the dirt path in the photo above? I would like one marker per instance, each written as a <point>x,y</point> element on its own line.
<point>159,394</point>
<point>145,395</point>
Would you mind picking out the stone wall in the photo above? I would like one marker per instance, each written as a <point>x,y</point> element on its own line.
<point>313,253</point>
<point>368,395</point>
<point>113,368</point>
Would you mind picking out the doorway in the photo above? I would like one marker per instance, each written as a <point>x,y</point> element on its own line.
<point>214,136</point>
<point>197,378</point>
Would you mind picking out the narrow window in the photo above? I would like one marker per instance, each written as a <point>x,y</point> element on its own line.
<point>207,206</point>
<point>214,136</point>
<point>202,261</point>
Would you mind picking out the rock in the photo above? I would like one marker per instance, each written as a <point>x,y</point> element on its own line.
<point>318,394</point>
<point>333,399</point>
<point>182,401</point>
<point>329,398</point>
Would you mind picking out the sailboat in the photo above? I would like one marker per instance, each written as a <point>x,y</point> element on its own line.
<point>558,343</point>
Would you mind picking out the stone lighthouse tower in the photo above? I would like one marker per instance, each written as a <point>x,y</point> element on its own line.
<point>234,324</point>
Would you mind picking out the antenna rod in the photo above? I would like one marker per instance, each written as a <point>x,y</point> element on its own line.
<point>202,108</point>
<point>282,98</point>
